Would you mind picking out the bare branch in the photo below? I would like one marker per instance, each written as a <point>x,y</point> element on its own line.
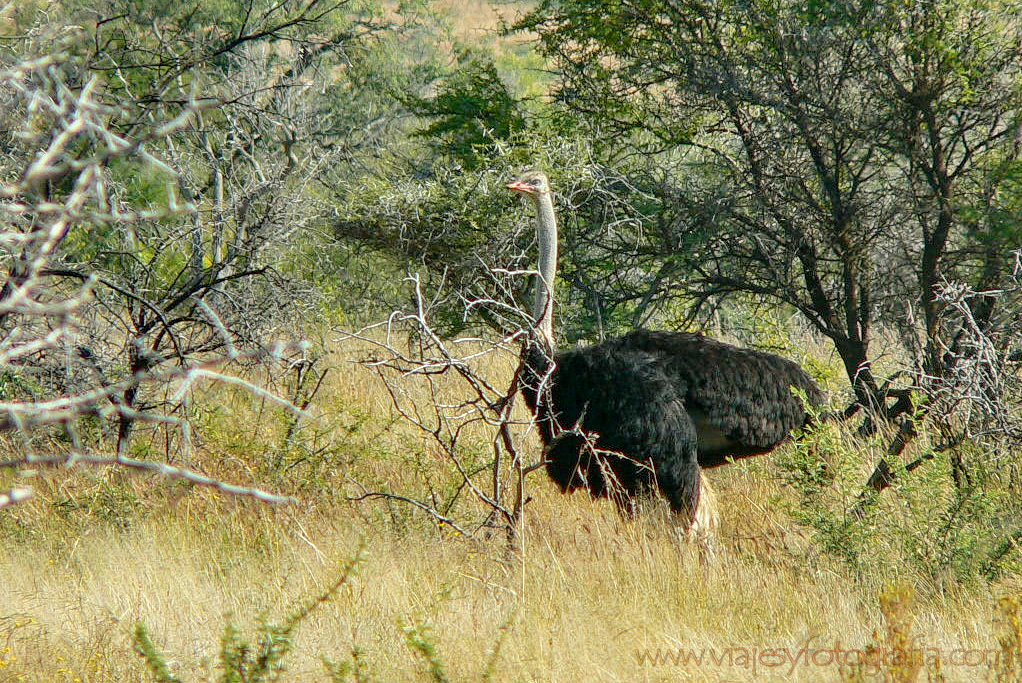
<point>14,496</point>
<point>162,469</point>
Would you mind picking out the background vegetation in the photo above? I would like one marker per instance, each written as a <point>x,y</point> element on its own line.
<point>262,253</point>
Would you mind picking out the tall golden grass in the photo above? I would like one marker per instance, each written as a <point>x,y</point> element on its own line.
<point>588,595</point>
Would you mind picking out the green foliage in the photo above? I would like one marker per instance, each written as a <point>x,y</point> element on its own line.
<point>472,111</point>
<point>108,503</point>
<point>817,460</point>
<point>352,669</point>
<point>420,639</point>
<point>149,653</point>
<point>213,51</point>
<point>450,229</point>
<point>14,385</point>
<point>241,662</point>
<point>922,527</point>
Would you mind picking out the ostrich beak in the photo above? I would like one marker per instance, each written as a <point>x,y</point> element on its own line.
<point>519,186</point>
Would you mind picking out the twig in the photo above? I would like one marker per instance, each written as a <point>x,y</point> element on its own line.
<point>415,503</point>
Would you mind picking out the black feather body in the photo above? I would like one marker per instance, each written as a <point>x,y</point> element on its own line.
<point>613,423</point>
<point>655,407</point>
<point>739,400</point>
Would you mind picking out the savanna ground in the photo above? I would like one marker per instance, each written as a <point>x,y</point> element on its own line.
<point>586,596</point>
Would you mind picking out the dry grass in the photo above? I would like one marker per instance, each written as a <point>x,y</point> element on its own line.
<point>587,594</point>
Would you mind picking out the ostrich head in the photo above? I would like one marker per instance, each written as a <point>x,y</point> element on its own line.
<point>531,183</point>
<point>535,186</point>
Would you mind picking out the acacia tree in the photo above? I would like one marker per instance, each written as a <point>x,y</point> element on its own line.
<point>845,158</point>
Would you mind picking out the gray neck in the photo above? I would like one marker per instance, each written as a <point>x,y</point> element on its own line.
<point>546,233</point>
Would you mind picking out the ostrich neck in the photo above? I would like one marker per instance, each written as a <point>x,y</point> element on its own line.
<point>546,233</point>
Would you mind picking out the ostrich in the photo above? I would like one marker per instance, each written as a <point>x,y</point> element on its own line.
<point>645,411</point>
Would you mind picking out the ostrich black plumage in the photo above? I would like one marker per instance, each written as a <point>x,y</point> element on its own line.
<point>644,411</point>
